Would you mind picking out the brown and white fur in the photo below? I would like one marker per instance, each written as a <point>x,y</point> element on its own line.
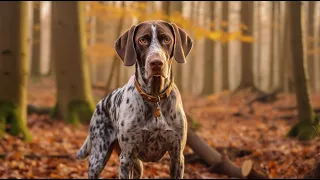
<point>124,121</point>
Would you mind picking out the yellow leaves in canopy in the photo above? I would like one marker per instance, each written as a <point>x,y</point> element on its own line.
<point>216,35</point>
<point>248,39</point>
<point>110,12</point>
<point>140,5</point>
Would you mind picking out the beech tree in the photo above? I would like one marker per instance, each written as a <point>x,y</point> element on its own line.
<point>74,96</point>
<point>308,125</point>
<point>14,49</point>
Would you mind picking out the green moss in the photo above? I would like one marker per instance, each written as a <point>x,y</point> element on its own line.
<point>54,114</point>
<point>305,130</point>
<point>2,123</point>
<point>79,112</point>
<point>10,113</point>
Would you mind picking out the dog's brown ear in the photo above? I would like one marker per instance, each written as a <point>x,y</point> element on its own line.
<point>182,45</point>
<point>124,47</point>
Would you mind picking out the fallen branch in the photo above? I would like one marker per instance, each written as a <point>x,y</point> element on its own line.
<point>264,97</point>
<point>251,172</point>
<point>218,163</point>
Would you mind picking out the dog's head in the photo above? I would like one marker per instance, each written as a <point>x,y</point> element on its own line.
<point>153,44</point>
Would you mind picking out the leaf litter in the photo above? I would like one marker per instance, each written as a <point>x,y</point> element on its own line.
<point>259,136</point>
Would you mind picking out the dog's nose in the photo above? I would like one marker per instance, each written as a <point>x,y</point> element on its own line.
<point>156,64</point>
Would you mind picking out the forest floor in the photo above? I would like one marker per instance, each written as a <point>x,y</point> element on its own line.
<point>259,136</point>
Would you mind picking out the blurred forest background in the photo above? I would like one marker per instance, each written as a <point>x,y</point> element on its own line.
<point>250,87</point>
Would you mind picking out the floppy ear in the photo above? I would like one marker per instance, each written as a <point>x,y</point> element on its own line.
<point>182,45</point>
<point>124,47</point>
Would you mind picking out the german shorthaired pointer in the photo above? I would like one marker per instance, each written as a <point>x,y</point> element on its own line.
<point>143,119</point>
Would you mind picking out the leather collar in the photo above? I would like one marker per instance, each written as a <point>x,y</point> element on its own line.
<point>151,98</point>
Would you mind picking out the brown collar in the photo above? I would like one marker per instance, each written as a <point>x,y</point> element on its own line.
<point>151,98</point>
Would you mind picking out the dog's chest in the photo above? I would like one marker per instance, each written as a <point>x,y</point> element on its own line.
<point>156,138</point>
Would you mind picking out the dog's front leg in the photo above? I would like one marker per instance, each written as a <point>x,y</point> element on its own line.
<point>126,164</point>
<point>177,163</point>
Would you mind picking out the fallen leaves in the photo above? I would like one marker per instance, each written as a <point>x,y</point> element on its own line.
<point>51,154</point>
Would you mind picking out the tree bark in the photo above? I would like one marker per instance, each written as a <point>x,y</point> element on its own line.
<point>208,86</point>
<point>74,96</point>
<point>246,14</point>
<point>271,62</point>
<point>178,73</point>
<point>225,47</point>
<point>258,43</point>
<point>35,68</point>
<point>194,18</point>
<point>308,126</point>
<point>310,44</point>
<point>286,52</point>
<point>166,7</point>
<point>116,61</point>
<point>14,44</point>
<point>100,60</point>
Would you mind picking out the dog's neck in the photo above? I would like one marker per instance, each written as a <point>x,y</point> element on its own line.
<point>155,85</point>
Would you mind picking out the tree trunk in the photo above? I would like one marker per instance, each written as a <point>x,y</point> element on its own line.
<point>91,41</point>
<point>271,65</point>
<point>208,86</point>
<point>194,18</point>
<point>286,54</point>
<point>116,61</point>
<point>278,40</point>
<point>166,7</point>
<point>310,44</point>
<point>35,68</point>
<point>307,126</point>
<point>246,47</point>
<point>100,60</point>
<point>14,44</point>
<point>143,12</point>
<point>225,48</point>
<point>258,43</point>
<point>178,74</point>
<point>74,96</point>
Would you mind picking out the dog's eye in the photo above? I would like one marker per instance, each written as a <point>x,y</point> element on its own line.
<point>143,41</point>
<point>166,40</point>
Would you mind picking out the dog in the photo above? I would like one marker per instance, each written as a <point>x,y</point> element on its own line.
<point>144,119</point>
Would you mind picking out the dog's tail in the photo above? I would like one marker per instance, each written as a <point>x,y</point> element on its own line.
<point>85,149</point>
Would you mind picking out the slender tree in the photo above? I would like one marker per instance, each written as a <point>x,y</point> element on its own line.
<point>308,125</point>
<point>208,86</point>
<point>258,43</point>
<point>246,14</point>
<point>177,8</point>
<point>194,15</point>
<point>115,67</point>
<point>35,68</point>
<point>285,55</point>
<point>74,96</point>
<point>225,49</point>
<point>271,45</point>
<point>14,44</point>
<point>166,7</point>
<point>310,43</point>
